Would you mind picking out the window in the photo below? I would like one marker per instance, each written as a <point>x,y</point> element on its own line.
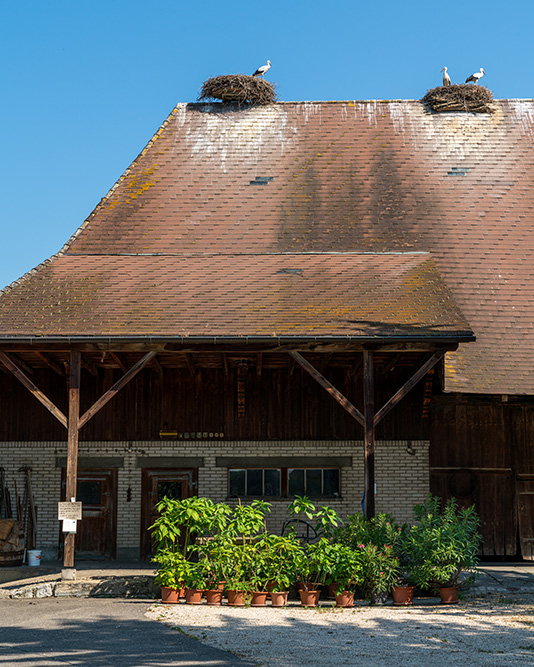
<point>254,482</point>
<point>283,482</point>
<point>313,482</point>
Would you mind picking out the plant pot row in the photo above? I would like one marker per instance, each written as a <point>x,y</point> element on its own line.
<point>402,596</point>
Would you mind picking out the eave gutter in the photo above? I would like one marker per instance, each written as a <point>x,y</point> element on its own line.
<point>460,337</point>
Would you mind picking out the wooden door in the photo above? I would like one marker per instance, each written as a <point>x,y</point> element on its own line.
<point>156,484</point>
<point>525,512</point>
<point>96,532</point>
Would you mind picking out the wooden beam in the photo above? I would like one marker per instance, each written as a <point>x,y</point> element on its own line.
<point>118,361</point>
<point>17,372</point>
<point>259,358</point>
<point>51,363</point>
<point>20,362</point>
<point>325,361</point>
<point>356,366</point>
<point>159,367</point>
<point>292,363</point>
<point>225,363</point>
<point>423,369</point>
<point>89,366</point>
<point>115,388</point>
<point>369,436</point>
<point>390,365</point>
<point>72,447</point>
<point>337,395</point>
<point>191,365</point>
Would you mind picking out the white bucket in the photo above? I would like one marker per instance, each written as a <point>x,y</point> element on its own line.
<point>34,558</point>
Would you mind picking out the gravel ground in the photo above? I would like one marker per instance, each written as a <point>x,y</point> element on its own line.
<point>493,631</point>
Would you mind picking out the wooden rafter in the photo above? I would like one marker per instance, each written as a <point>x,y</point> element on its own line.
<point>51,363</point>
<point>390,365</point>
<point>20,362</point>
<point>326,384</point>
<point>423,369</point>
<point>225,363</point>
<point>39,395</point>
<point>259,359</point>
<point>118,361</point>
<point>89,366</point>
<point>116,388</point>
<point>191,364</point>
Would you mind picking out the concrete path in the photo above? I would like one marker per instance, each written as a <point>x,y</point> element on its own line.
<point>96,633</point>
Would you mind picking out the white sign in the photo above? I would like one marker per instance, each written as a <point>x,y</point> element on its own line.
<point>72,510</point>
<point>69,525</point>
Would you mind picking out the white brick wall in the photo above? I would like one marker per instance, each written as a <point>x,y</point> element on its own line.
<point>401,476</point>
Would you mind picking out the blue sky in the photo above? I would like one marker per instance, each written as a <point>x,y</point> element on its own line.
<point>86,84</point>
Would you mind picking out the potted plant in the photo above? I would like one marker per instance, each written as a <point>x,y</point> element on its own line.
<point>403,589</point>
<point>446,545</point>
<point>195,584</point>
<point>173,570</point>
<point>380,571</point>
<point>346,569</point>
<point>275,566</point>
<point>315,570</point>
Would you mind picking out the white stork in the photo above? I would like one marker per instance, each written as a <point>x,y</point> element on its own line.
<point>476,76</point>
<point>446,77</point>
<point>261,70</point>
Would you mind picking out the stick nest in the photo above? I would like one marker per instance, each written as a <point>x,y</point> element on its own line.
<point>460,97</point>
<point>239,88</point>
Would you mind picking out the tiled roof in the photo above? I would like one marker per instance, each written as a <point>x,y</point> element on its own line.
<point>359,177</point>
<point>400,296</point>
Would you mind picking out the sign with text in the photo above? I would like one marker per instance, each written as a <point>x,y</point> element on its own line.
<point>72,511</point>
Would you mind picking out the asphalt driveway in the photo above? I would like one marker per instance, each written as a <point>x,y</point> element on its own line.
<point>96,633</point>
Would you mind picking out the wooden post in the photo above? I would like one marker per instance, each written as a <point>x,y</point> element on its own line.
<point>369,436</point>
<point>72,447</point>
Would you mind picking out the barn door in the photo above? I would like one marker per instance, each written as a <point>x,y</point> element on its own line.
<point>156,484</point>
<point>525,514</point>
<point>96,534</point>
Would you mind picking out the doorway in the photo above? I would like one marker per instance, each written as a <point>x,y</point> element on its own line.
<point>156,484</point>
<point>96,532</point>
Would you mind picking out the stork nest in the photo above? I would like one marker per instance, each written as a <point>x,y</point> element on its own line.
<point>459,97</point>
<point>239,88</point>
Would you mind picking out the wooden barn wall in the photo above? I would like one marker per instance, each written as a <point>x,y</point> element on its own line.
<point>482,452</point>
<point>274,405</point>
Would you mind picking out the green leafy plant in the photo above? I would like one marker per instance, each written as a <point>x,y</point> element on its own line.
<point>380,569</point>
<point>444,543</point>
<point>276,561</point>
<point>346,567</point>
<point>173,568</point>
<point>316,564</point>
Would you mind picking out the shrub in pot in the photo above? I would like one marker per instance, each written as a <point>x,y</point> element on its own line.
<point>173,570</point>
<point>445,544</point>
<point>380,571</point>
<point>347,571</point>
<point>314,569</point>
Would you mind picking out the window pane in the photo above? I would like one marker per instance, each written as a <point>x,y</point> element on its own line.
<point>331,482</point>
<point>237,483</point>
<point>272,482</point>
<point>254,482</point>
<point>89,493</point>
<point>296,483</point>
<point>170,489</point>
<point>313,482</point>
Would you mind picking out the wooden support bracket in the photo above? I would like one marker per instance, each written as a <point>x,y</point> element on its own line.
<point>115,388</point>
<point>326,384</point>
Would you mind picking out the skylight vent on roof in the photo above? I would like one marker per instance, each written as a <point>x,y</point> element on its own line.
<point>262,180</point>
<point>459,171</point>
<point>290,272</point>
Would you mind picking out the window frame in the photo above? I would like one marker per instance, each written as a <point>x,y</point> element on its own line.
<point>284,481</point>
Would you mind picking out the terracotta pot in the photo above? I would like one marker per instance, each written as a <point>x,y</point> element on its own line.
<point>309,598</point>
<point>236,598</point>
<point>402,595</point>
<point>345,599</point>
<point>259,598</point>
<point>171,595</point>
<point>332,590</point>
<point>449,595</point>
<point>279,599</point>
<point>214,598</point>
<point>193,596</point>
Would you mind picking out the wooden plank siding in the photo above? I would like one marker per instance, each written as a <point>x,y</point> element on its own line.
<point>278,405</point>
<point>482,452</point>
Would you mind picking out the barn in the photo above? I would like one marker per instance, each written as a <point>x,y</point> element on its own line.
<point>328,298</point>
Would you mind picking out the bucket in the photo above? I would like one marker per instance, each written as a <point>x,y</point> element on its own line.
<point>34,558</point>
